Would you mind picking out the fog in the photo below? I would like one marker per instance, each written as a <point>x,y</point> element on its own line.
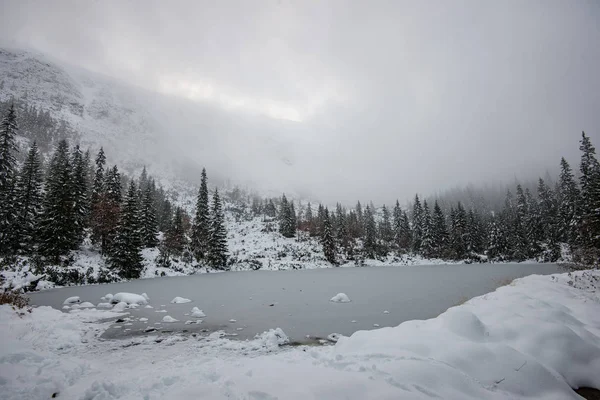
<point>367,100</point>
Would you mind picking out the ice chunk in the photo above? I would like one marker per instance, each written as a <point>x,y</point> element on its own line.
<point>143,319</point>
<point>85,304</point>
<point>180,300</point>
<point>72,300</point>
<point>168,318</point>
<point>197,313</point>
<point>340,298</point>
<point>120,306</point>
<point>232,320</point>
<point>129,298</point>
<point>386,312</point>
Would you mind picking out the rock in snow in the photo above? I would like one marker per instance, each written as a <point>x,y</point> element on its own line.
<point>197,313</point>
<point>71,300</point>
<point>129,298</point>
<point>168,318</point>
<point>180,300</point>
<point>340,298</point>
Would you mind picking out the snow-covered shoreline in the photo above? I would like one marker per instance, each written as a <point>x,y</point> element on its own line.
<point>536,338</point>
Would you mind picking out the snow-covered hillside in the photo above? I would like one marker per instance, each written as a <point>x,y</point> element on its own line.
<point>173,137</point>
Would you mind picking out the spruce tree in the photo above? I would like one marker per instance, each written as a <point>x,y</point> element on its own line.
<point>548,211</point>
<point>327,239</point>
<point>427,245</point>
<point>57,223</point>
<point>218,235</point>
<point>405,233</point>
<point>397,224</point>
<point>149,225</point>
<point>8,174</point>
<point>360,226</point>
<point>342,234</point>
<point>385,226</point>
<point>439,232</point>
<point>126,256</point>
<point>111,209</point>
<point>175,240</point>
<point>79,190</point>
<point>370,233</point>
<point>590,194</point>
<point>417,225</point>
<point>201,226</point>
<point>29,201</point>
<point>310,221</point>
<point>97,200</point>
<point>568,198</point>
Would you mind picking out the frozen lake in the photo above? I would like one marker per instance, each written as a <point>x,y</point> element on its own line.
<point>298,301</point>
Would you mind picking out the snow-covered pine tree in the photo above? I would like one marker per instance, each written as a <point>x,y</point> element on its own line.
<point>8,175</point>
<point>57,222</point>
<point>439,232</point>
<point>360,221</point>
<point>568,198</point>
<point>79,190</point>
<point>28,201</point>
<point>285,218</point>
<point>385,227</point>
<point>327,239</point>
<point>427,245</point>
<point>111,208</point>
<point>590,194</point>
<point>97,200</point>
<point>270,209</point>
<point>533,226</point>
<point>148,223</point>
<point>319,221</point>
<point>342,235</point>
<point>417,225</point>
<point>370,236</point>
<point>397,224</point>
<point>520,243</point>
<point>497,248</point>
<point>459,232</point>
<point>200,236</point>
<point>126,257</point>
<point>175,240</point>
<point>548,211</point>
<point>218,235</point>
<point>290,225</point>
<point>310,221</point>
<point>405,233</point>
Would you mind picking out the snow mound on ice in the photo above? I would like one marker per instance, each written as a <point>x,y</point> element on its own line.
<point>104,305</point>
<point>272,339</point>
<point>120,306</point>
<point>107,297</point>
<point>129,298</point>
<point>340,298</point>
<point>71,300</point>
<point>85,304</point>
<point>180,300</point>
<point>334,337</point>
<point>168,318</point>
<point>197,313</point>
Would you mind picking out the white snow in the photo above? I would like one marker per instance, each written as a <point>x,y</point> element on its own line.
<point>143,319</point>
<point>197,313</point>
<point>168,318</point>
<point>160,311</point>
<point>85,304</point>
<point>340,298</point>
<point>71,300</point>
<point>104,305</point>
<point>180,300</point>
<point>129,298</point>
<point>107,297</point>
<point>120,306</point>
<point>232,320</point>
<point>386,312</point>
<point>534,339</point>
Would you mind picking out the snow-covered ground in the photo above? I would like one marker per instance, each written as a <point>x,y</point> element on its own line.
<point>536,338</point>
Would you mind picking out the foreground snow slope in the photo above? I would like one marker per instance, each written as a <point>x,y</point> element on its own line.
<point>534,339</point>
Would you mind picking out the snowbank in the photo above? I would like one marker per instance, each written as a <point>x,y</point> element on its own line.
<point>534,339</point>
<point>129,298</point>
<point>340,298</point>
<point>180,300</point>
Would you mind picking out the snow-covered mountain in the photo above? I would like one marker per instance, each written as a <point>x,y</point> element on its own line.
<point>174,137</point>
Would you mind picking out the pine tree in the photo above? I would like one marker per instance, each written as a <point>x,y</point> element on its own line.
<point>287,218</point>
<point>360,221</point>
<point>97,200</point>
<point>126,256</point>
<point>327,239</point>
<point>218,235</point>
<point>342,234</point>
<point>385,226</point>
<point>149,225</point>
<point>497,246</point>
<point>370,236</point>
<point>310,221</point>
<point>417,225</point>
<point>548,211</point>
<point>29,201</point>
<point>427,245</point>
<point>439,233</point>
<point>270,209</point>
<point>79,190</point>
<point>590,194</point>
<point>405,233</point>
<point>175,240</point>
<point>458,233</point>
<point>111,208</point>
<point>57,224</point>
<point>397,224</point>
<point>8,174</point>
<point>568,198</point>
<point>201,227</point>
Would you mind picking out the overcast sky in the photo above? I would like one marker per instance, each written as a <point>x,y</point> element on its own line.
<point>395,97</point>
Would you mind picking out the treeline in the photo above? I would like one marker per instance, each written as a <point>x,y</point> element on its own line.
<point>48,212</point>
<point>38,125</point>
<point>528,226</point>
